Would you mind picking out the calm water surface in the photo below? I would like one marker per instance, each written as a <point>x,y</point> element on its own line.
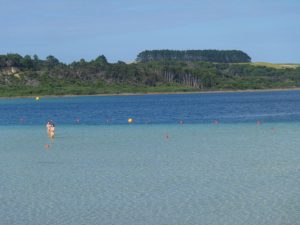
<point>154,109</point>
<point>154,171</point>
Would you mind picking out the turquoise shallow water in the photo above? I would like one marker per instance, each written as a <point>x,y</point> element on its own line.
<point>151,174</point>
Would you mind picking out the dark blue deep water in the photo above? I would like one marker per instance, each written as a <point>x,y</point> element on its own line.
<point>281,106</point>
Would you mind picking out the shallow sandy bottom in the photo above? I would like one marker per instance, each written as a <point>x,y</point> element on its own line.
<point>151,174</point>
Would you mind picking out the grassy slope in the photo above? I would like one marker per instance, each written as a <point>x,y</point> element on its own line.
<point>276,65</point>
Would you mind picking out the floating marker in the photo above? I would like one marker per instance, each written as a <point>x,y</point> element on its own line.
<point>130,120</point>
<point>21,120</point>
<point>167,136</point>
<point>37,98</point>
<point>216,122</point>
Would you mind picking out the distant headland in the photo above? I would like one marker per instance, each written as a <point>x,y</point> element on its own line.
<point>154,71</point>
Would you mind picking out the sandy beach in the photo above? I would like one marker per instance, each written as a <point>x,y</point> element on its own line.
<point>163,93</point>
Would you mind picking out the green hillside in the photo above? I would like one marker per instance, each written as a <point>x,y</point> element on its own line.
<point>28,75</point>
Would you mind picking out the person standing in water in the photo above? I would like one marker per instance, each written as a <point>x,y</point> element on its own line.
<point>50,129</point>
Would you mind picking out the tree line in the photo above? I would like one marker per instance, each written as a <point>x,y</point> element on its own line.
<point>221,56</point>
<point>31,75</point>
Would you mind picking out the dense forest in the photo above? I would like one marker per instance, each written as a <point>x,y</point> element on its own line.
<point>221,56</point>
<point>30,75</point>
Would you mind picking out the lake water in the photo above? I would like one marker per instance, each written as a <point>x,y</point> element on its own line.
<point>154,109</point>
<point>242,169</point>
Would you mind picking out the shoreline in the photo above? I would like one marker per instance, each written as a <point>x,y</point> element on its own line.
<point>159,93</point>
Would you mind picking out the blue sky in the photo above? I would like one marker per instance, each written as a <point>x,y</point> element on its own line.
<point>74,29</point>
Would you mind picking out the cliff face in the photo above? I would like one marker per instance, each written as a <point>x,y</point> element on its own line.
<point>9,72</point>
